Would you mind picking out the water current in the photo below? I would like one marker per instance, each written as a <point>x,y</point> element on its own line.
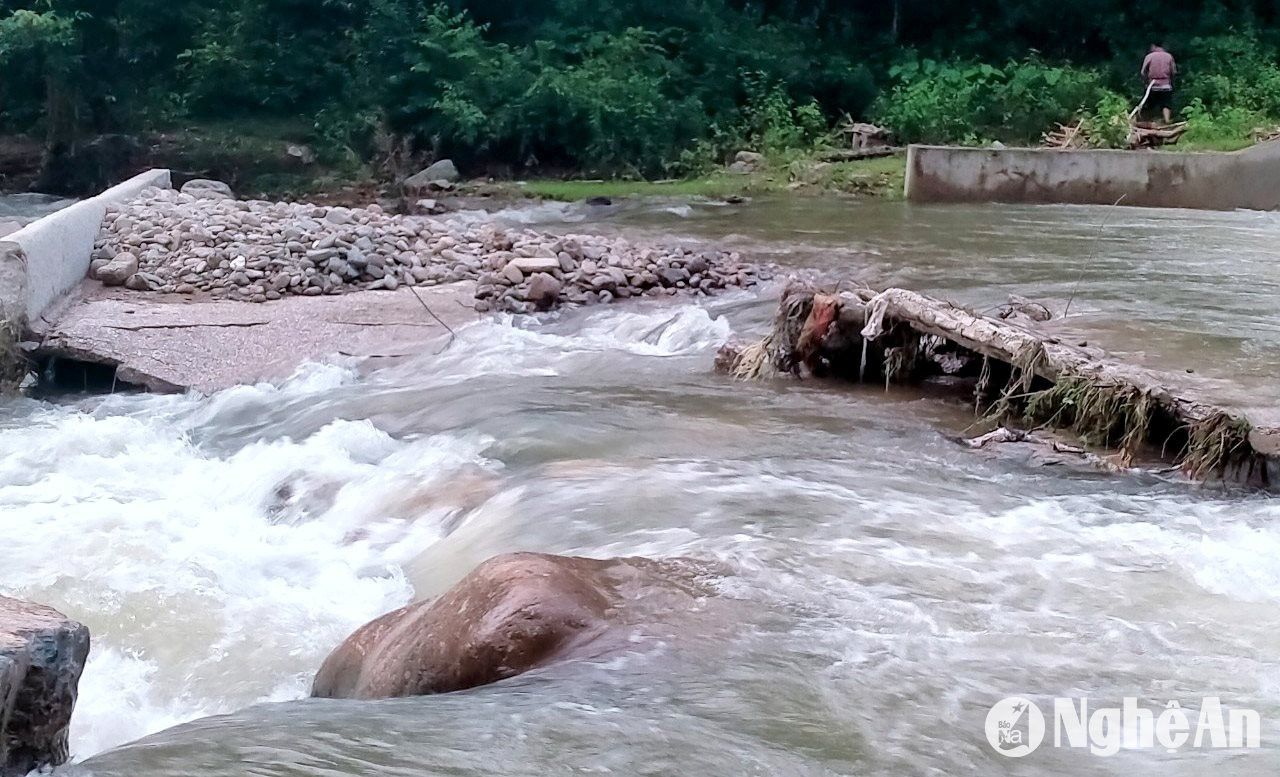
<point>883,587</point>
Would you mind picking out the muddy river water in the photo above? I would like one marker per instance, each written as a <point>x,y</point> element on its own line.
<point>888,586</point>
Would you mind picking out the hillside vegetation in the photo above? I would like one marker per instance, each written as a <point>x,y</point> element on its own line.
<point>619,88</point>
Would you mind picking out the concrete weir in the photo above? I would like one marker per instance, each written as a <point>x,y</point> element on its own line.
<point>1248,179</point>
<point>43,261</point>
<point>86,335</point>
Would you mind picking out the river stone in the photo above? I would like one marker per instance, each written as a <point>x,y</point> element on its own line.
<point>338,216</point>
<point>528,265</point>
<point>512,614</point>
<point>512,274</point>
<point>444,170</point>
<point>245,249</point>
<point>205,189</point>
<point>544,291</point>
<point>119,269</point>
<point>430,179</point>
<point>42,654</point>
<point>672,275</point>
<point>143,281</point>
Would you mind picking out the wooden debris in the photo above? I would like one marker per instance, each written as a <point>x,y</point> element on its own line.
<point>1266,134</point>
<point>862,141</point>
<point>899,336</point>
<point>1066,137</point>
<point>863,136</point>
<point>854,154</point>
<point>1154,136</point>
<point>1141,135</point>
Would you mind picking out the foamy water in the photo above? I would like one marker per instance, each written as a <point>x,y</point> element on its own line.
<point>884,586</point>
<point>208,589</point>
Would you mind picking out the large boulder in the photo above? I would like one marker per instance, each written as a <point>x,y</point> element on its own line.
<point>512,614</point>
<point>438,177</point>
<point>205,189</point>
<point>544,291</point>
<point>747,162</point>
<point>444,170</point>
<point>119,270</point>
<point>42,654</point>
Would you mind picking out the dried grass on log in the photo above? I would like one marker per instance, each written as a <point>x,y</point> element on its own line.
<point>1038,379</point>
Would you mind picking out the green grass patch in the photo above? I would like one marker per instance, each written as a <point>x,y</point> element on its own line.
<point>883,177</point>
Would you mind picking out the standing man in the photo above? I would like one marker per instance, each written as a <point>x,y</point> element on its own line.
<point>1158,70</point>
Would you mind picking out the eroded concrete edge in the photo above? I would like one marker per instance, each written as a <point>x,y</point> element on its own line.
<point>1248,179</point>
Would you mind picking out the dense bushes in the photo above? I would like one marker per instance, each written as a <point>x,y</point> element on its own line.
<point>941,102</point>
<point>630,86</point>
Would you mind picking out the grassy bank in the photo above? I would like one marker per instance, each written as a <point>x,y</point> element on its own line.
<point>881,178</point>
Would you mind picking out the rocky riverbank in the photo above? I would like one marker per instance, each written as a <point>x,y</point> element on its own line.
<point>202,241</point>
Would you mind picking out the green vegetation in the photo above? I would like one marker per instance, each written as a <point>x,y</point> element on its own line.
<point>616,88</point>
<point>882,177</point>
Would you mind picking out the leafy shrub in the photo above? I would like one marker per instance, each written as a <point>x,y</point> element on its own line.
<point>771,122</point>
<point>1227,129</point>
<point>946,102</point>
<point>1235,70</point>
<point>1108,123</point>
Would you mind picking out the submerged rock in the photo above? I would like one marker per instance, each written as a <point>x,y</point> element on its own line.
<point>42,654</point>
<point>512,614</point>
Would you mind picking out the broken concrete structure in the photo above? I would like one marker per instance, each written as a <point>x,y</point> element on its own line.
<point>46,259</point>
<point>1247,179</point>
<point>173,342</point>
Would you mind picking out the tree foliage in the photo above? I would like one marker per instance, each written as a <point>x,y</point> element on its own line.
<point>616,85</point>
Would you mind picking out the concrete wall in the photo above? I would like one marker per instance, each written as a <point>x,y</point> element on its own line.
<point>44,260</point>
<point>1160,179</point>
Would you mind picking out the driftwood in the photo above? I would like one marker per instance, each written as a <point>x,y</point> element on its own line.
<point>1066,137</point>
<point>1266,134</point>
<point>852,155</point>
<point>862,135</point>
<point>1153,136</point>
<point>899,336</point>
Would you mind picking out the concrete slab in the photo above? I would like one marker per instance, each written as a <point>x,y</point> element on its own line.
<point>171,343</point>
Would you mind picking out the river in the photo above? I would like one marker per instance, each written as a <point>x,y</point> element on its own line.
<point>17,210</point>
<point>888,585</point>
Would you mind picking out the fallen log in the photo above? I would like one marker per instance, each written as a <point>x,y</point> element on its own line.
<point>855,154</point>
<point>900,336</point>
<point>1150,136</point>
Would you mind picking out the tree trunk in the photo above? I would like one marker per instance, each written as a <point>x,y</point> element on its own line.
<point>60,114</point>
